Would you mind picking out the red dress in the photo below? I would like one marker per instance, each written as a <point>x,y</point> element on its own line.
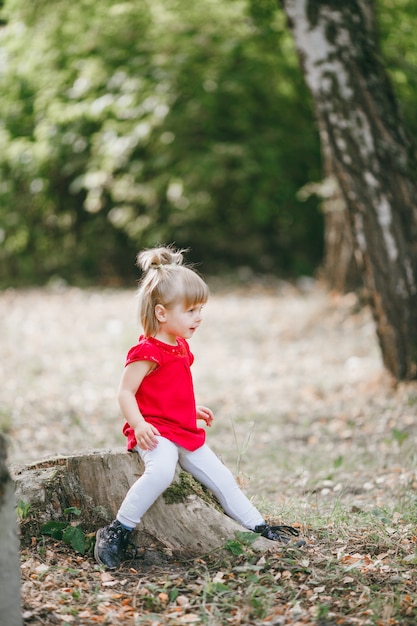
<point>166,395</point>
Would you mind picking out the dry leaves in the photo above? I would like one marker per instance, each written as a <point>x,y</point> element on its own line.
<point>321,584</point>
<point>332,448</point>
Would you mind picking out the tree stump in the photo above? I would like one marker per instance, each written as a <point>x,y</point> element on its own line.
<point>186,518</point>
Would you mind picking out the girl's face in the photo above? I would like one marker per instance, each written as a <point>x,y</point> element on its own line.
<point>177,321</point>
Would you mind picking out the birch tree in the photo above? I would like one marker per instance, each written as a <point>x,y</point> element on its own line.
<point>372,158</point>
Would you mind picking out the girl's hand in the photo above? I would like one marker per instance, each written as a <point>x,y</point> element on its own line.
<point>203,413</point>
<point>146,435</point>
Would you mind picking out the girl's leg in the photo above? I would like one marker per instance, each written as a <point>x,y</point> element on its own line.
<point>160,464</point>
<point>207,468</point>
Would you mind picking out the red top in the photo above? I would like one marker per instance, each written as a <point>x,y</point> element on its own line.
<point>166,395</point>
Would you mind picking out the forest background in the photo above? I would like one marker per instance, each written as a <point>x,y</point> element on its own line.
<point>127,124</point>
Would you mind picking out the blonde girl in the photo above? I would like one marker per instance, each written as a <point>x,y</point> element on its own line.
<point>156,397</point>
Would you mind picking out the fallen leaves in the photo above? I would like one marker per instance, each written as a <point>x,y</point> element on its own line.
<point>365,563</point>
<point>332,434</point>
<point>324,581</point>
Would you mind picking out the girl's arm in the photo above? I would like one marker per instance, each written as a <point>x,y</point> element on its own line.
<point>132,378</point>
<point>203,413</point>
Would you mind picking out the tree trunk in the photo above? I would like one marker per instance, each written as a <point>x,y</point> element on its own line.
<point>342,260</point>
<point>342,263</point>
<point>186,518</point>
<point>10,611</point>
<point>372,158</point>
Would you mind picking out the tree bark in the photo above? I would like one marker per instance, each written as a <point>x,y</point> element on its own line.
<point>372,158</point>
<point>10,610</point>
<point>186,518</point>
<point>342,261</point>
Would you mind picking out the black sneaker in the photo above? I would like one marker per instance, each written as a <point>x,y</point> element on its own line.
<point>283,534</point>
<point>112,543</point>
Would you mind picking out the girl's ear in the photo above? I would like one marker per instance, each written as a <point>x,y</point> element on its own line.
<point>160,313</point>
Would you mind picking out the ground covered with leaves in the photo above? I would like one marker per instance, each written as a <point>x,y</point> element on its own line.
<point>316,431</point>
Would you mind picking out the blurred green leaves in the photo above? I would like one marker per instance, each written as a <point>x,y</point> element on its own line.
<point>126,124</point>
<point>396,20</point>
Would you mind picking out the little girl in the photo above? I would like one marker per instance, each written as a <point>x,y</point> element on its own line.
<point>156,397</point>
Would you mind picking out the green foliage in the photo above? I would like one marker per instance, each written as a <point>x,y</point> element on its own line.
<point>396,19</point>
<point>22,509</point>
<point>127,124</point>
<point>400,436</point>
<point>66,532</point>
<point>241,542</point>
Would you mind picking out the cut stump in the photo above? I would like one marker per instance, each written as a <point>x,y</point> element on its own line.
<point>185,518</point>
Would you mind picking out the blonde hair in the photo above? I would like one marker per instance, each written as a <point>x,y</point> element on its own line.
<point>167,281</point>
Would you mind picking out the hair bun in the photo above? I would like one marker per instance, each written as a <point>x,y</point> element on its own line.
<point>156,258</point>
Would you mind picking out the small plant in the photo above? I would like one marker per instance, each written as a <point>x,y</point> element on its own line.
<point>322,611</point>
<point>258,601</point>
<point>22,509</point>
<point>399,436</point>
<point>242,540</point>
<point>244,447</point>
<point>67,532</point>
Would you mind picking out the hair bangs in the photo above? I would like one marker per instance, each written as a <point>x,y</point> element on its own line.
<point>195,290</point>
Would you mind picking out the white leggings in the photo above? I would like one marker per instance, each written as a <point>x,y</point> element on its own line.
<point>203,464</point>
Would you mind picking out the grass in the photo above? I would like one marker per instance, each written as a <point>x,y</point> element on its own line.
<point>316,431</point>
<point>358,569</point>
